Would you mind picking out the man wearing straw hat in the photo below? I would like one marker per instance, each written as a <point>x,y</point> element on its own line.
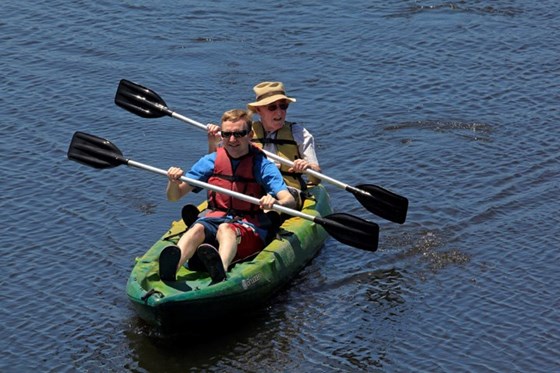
<point>289,140</point>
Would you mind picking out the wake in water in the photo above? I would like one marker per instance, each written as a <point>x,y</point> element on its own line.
<point>460,6</point>
<point>468,130</point>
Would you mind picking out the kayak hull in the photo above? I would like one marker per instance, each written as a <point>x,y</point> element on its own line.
<point>191,301</point>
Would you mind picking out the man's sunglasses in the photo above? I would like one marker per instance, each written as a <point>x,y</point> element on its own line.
<point>236,134</point>
<point>283,106</point>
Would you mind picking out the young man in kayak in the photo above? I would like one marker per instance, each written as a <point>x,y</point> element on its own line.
<point>238,228</point>
<point>289,140</point>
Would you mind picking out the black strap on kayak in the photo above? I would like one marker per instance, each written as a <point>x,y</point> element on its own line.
<point>150,293</point>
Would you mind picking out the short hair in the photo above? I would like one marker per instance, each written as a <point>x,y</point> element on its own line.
<point>235,115</point>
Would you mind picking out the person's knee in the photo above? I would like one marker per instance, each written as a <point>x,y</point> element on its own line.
<point>198,229</point>
<point>196,232</point>
<point>225,230</point>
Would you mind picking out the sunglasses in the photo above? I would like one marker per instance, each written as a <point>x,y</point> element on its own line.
<point>236,134</point>
<point>283,106</point>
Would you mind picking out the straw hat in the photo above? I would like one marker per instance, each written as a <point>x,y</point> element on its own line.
<point>267,93</point>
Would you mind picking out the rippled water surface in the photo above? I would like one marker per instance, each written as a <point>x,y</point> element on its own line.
<point>451,104</point>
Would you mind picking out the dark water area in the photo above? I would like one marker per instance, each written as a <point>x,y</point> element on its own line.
<point>451,104</point>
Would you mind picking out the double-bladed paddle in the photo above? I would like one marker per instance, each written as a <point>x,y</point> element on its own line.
<point>146,103</point>
<point>100,153</point>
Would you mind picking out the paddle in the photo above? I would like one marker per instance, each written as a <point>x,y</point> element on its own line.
<point>189,214</point>
<point>146,103</point>
<point>100,153</point>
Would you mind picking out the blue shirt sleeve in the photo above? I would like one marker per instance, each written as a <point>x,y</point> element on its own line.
<point>269,177</point>
<point>202,169</point>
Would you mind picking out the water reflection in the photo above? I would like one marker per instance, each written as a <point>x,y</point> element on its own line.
<point>237,343</point>
<point>302,321</point>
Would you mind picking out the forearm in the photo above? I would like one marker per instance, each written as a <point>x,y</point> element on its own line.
<point>175,191</point>
<point>213,137</point>
<point>312,179</point>
<point>285,199</point>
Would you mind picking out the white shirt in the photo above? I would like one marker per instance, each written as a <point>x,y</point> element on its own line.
<point>305,141</point>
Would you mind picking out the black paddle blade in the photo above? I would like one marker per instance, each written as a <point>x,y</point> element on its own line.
<point>381,202</point>
<point>140,100</point>
<point>94,151</point>
<point>189,213</point>
<point>351,230</point>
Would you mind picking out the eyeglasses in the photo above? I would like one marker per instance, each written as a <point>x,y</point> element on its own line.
<point>236,134</point>
<point>283,106</point>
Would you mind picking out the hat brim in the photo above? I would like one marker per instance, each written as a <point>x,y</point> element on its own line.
<point>269,100</point>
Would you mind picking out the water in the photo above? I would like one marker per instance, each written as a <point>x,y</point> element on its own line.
<point>451,104</point>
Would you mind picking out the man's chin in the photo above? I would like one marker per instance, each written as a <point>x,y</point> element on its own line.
<point>235,151</point>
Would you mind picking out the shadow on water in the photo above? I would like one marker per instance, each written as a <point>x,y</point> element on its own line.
<point>207,346</point>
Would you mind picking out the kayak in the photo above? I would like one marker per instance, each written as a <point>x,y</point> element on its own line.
<point>191,300</point>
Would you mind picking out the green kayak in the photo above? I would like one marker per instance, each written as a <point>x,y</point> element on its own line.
<point>191,300</point>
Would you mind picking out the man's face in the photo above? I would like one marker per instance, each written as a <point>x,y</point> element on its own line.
<point>236,138</point>
<point>273,115</point>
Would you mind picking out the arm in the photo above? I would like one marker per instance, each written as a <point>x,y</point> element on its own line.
<point>306,146</point>
<point>201,170</point>
<point>273,182</point>
<point>213,137</point>
<point>176,189</point>
<point>300,165</point>
<point>284,198</point>
<point>311,179</point>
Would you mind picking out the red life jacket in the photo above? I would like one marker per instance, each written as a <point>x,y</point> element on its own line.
<point>241,181</point>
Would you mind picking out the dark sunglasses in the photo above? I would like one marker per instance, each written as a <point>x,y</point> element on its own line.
<point>236,134</point>
<point>283,106</point>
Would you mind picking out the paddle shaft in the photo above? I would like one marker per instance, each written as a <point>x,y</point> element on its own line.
<point>100,153</point>
<point>270,155</point>
<point>167,111</point>
<point>144,102</point>
<point>218,189</point>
